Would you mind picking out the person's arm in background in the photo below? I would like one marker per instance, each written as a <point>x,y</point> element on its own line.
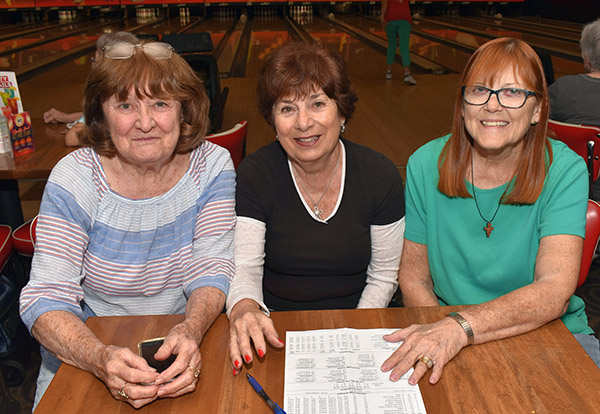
<point>71,138</point>
<point>384,7</point>
<point>54,116</point>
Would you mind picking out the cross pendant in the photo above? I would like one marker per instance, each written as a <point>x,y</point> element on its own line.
<point>488,229</point>
<point>318,211</point>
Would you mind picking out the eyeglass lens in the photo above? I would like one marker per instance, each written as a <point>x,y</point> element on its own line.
<point>508,97</point>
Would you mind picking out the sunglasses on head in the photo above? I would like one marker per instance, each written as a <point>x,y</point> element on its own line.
<point>124,50</point>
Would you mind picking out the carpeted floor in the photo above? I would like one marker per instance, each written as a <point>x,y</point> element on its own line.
<point>21,397</point>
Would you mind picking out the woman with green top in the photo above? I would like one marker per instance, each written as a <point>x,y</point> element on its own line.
<point>495,218</point>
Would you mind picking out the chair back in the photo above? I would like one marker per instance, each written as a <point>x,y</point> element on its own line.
<point>6,246</point>
<point>189,42</point>
<point>584,140</point>
<point>23,239</point>
<point>32,229</point>
<point>590,243</point>
<point>206,68</point>
<point>234,140</point>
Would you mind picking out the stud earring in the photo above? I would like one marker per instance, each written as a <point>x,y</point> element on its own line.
<point>342,128</point>
<point>277,137</point>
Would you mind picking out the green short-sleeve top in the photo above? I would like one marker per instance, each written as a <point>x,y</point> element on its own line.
<point>466,266</point>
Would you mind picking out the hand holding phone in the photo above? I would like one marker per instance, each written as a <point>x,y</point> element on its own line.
<point>148,347</point>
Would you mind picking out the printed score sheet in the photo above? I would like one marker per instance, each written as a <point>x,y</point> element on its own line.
<point>337,371</point>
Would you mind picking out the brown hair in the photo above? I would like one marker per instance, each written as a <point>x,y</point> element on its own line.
<point>487,61</point>
<point>297,69</point>
<point>169,78</point>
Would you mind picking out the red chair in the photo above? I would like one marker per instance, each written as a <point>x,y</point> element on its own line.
<point>23,238</point>
<point>584,140</point>
<point>234,140</point>
<point>6,246</point>
<point>590,243</point>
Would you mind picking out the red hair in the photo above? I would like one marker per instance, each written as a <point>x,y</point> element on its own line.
<point>484,65</point>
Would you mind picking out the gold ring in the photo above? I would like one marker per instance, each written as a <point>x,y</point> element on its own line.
<point>194,370</point>
<point>427,361</point>
<point>122,392</point>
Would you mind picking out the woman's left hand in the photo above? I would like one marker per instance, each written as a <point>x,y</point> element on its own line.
<point>185,370</point>
<point>439,341</point>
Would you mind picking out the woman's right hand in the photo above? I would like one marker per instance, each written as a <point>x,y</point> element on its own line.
<point>124,373</point>
<point>247,322</point>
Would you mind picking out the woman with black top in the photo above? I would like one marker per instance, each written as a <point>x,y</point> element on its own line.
<point>319,218</point>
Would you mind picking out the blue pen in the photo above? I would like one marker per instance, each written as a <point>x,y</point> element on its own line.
<point>259,390</point>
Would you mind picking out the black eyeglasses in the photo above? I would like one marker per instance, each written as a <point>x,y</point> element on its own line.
<point>124,50</point>
<point>507,97</point>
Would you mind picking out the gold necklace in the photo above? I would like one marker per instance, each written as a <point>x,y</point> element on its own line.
<point>316,209</point>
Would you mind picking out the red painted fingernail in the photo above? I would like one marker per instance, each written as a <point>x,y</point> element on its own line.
<point>280,340</point>
<point>261,353</point>
<point>236,363</point>
<point>234,372</point>
<point>247,358</point>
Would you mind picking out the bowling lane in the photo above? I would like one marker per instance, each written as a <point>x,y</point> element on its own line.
<point>31,55</point>
<point>165,26</point>
<point>352,50</point>
<point>521,26</point>
<point>13,30</point>
<point>562,66</point>
<point>267,34</point>
<point>447,56</point>
<point>543,22</point>
<point>217,27</point>
<point>560,47</point>
<point>50,33</point>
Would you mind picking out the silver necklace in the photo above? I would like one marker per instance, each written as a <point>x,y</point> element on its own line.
<point>316,209</point>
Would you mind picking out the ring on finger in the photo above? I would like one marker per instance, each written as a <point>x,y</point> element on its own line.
<point>122,392</point>
<point>195,371</point>
<point>427,361</point>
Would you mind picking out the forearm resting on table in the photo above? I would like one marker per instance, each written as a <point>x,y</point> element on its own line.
<point>519,311</point>
<point>67,338</point>
<point>203,307</point>
<point>533,305</point>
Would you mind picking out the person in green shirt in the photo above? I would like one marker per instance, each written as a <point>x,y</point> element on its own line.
<point>495,218</point>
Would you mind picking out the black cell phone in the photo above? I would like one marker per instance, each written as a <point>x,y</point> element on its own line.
<point>148,347</point>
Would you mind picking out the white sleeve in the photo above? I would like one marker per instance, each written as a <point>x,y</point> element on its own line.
<point>249,257</point>
<point>382,273</point>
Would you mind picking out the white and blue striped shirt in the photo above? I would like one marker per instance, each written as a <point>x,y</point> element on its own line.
<point>131,257</point>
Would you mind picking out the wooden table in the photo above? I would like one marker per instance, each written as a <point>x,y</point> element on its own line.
<point>49,142</point>
<point>544,371</point>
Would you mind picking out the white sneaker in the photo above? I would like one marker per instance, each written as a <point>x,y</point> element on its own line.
<point>409,79</point>
<point>388,75</point>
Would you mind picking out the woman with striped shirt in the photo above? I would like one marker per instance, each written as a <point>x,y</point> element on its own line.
<point>138,221</point>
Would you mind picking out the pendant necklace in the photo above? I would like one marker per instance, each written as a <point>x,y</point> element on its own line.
<point>316,210</point>
<point>488,228</point>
